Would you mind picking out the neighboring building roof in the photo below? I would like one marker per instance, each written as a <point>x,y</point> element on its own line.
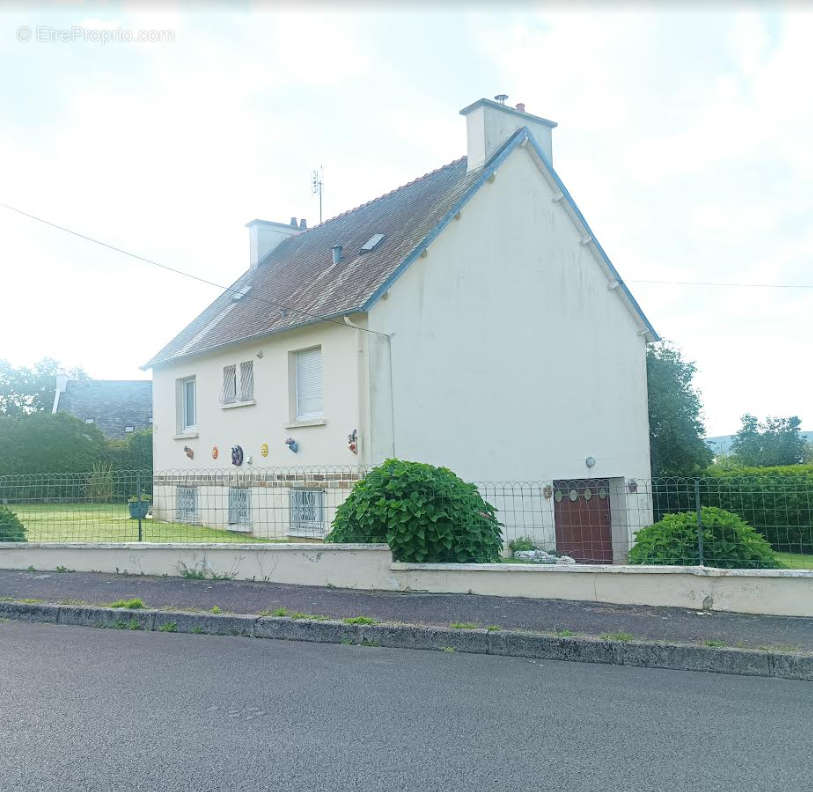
<point>112,405</point>
<point>298,283</point>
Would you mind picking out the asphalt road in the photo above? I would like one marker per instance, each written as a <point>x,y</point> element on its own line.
<point>89,709</point>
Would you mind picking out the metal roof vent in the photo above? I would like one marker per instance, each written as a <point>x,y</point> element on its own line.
<point>371,243</point>
<point>238,295</point>
<point>501,98</point>
<point>336,251</point>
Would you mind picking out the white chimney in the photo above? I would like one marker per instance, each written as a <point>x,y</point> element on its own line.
<point>265,235</point>
<point>61,387</point>
<point>489,124</point>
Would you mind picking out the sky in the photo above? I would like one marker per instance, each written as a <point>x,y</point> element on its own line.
<point>684,136</point>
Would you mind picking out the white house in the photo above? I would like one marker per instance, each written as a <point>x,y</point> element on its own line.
<point>469,318</point>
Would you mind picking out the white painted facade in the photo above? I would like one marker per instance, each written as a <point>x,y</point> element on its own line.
<point>507,353</point>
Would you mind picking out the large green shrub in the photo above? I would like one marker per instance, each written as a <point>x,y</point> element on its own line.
<point>728,542</point>
<point>777,501</point>
<point>424,513</point>
<point>45,443</point>
<point>11,529</point>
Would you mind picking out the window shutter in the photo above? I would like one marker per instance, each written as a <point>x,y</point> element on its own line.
<point>309,384</point>
<point>229,384</point>
<point>247,380</point>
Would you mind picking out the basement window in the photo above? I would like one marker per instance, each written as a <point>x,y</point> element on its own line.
<point>307,512</point>
<point>371,243</point>
<point>186,504</point>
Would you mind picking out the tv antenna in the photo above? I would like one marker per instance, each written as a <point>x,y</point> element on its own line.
<point>317,185</point>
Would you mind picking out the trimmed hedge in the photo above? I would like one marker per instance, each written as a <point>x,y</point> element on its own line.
<point>728,542</point>
<point>11,529</point>
<point>424,513</point>
<point>776,501</point>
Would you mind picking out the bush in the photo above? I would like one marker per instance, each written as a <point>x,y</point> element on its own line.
<point>777,501</point>
<point>424,513</point>
<point>11,529</point>
<point>728,542</point>
<point>45,443</point>
<point>521,543</point>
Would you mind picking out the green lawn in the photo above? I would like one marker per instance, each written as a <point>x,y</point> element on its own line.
<point>796,560</point>
<point>105,522</point>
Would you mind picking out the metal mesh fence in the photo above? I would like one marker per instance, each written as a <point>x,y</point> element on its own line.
<point>556,521</point>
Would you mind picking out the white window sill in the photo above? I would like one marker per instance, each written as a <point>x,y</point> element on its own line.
<point>187,434</point>
<point>309,422</point>
<point>233,405</point>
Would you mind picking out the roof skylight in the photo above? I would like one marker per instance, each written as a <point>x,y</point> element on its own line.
<point>371,243</point>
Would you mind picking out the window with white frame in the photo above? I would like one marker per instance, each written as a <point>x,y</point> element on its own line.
<point>187,404</point>
<point>238,384</point>
<point>307,512</point>
<point>308,390</point>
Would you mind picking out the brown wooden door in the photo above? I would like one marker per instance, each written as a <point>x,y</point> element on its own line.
<point>582,514</point>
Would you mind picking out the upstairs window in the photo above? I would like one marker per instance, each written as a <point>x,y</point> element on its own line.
<point>229,384</point>
<point>309,384</point>
<point>247,380</point>
<point>238,384</point>
<point>188,404</point>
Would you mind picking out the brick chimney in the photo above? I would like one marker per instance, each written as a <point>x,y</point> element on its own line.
<point>489,124</point>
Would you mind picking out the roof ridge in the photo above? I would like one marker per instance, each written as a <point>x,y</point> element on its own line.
<point>386,194</point>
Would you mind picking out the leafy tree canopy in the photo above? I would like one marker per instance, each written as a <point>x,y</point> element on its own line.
<point>29,390</point>
<point>45,443</point>
<point>676,427</point>
<point>774,441</point>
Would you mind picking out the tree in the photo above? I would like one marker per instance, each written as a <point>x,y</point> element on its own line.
<point>30,390</point>
<point>775,441</point>
<point>676,428</point>
<point>44,443</point>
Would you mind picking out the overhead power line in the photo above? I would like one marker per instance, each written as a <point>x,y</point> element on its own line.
<point>243,296</point>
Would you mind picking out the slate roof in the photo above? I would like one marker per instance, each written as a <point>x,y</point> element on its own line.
<point>298,283</point>
<point>300,275</point>
<point>112,404</point>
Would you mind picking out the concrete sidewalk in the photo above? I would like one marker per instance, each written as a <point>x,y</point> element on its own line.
<point>581,618</point>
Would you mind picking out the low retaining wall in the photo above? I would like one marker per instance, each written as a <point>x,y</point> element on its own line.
<point>370,566</point>
<point>364,566</point>
<point>784,592</point>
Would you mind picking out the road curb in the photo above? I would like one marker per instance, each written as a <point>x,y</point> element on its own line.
<point>507,643</point>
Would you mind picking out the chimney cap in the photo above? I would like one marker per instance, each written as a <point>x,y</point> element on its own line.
<point>303,224</point>
<point>500,98</point>
<point>294,224</point>
<point>506,109</point>
<point>521,107</point>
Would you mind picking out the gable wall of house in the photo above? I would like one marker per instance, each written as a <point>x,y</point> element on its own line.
<point>269,419</point>
<point>511,359</point>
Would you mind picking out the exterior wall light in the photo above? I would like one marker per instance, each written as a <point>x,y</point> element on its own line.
<point>590,462</point>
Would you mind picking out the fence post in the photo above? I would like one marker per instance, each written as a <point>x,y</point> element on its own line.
<point>138,495</point>
<point>699,521</point>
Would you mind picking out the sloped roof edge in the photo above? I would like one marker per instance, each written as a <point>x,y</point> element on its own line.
<point>517,138</point>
